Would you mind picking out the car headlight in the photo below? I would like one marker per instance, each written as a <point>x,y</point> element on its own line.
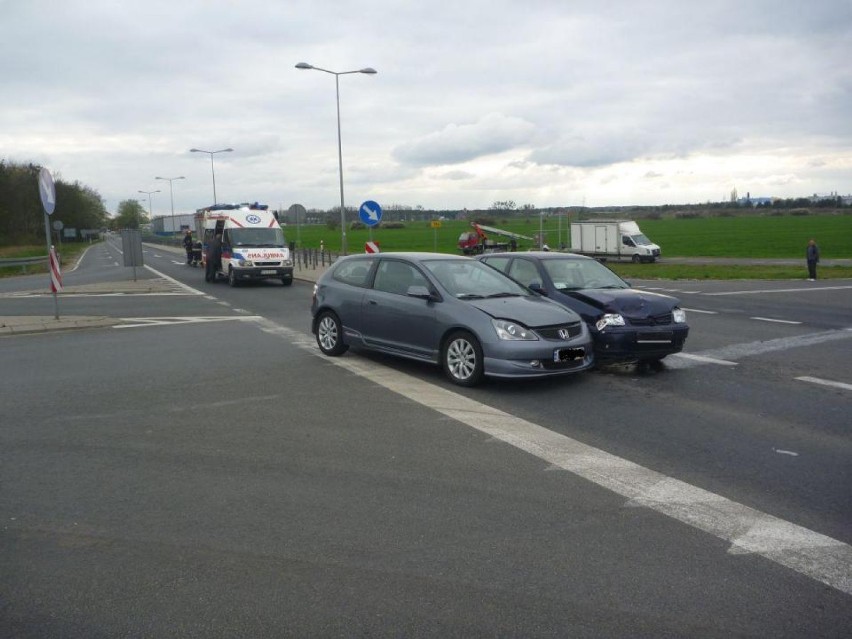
<point>245,263</point>
<point>509,330</point>
<point>678,316</point>
<point>610,319</point>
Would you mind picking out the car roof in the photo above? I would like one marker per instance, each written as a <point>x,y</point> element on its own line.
<point>411,255</point>
<point>542,255</point>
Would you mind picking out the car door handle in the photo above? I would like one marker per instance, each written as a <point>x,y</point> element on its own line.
<point>373,302</point>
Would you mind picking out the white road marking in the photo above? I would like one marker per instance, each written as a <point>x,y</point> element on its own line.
<point>144,322</point>
<point>188,289</point>
<point>749,531</point>
<point>825,382</point>
<point>698,310</point>
<point>785,452</point>
<point>727,354</point>
<point>777,321</point>
<point>703,359</point>
<point>782,290</point>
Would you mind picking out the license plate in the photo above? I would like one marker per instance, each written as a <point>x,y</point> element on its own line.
<point>568,354</point>
<point>268,272</point>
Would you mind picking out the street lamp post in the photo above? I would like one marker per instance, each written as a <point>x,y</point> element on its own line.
<point>172,196</point>
<point>150,210</point>
<point>215,201</point>
<point>337,74</point>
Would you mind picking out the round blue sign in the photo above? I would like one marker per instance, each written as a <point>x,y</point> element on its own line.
<point>370,212</point>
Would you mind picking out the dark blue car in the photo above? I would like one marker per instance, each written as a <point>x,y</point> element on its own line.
<point>627,325</point>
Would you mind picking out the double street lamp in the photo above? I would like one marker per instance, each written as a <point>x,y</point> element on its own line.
<point>337,74</point>
<point>172,196</point>
<point>215,201</point>
<point>150,211</point>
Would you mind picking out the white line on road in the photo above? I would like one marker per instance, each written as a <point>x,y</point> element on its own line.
<point>749,531</point>
<point>777,321</point>
<point>782,290</point>
<point>703,359</point>
<point>144,322</point>
<point>698,310</point>
<point>825,382</point>
<point>736,351</point>
<point>189,289</point>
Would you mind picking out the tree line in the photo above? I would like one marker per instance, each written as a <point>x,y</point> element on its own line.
<point>21,212</point>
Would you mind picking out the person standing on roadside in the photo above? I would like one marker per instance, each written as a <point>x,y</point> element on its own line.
<point>187,245</point>
<point>812,255</point>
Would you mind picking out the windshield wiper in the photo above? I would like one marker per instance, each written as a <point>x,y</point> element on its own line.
<point>503,295</point>
<point>469,296</point>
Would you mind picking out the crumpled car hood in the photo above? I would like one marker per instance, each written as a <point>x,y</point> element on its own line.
<point>628,302</point>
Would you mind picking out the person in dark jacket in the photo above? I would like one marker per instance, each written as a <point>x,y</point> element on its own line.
<point>187,245</point>
<point>214,258</point>
<point>812,255</point>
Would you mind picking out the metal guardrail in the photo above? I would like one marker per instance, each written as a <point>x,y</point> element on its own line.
<point>23,262</point>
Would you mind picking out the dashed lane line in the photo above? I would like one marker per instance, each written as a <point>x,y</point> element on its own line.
<point>772,319</point>
<point>825,382</point>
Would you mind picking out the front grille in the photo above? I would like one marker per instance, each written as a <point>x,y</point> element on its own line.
<point>552,332</point>
<point>276,263</point>
<point>664,319</point>
<point>661,337</point>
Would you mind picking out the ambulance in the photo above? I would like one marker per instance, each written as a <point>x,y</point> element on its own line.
<point>252,243</point>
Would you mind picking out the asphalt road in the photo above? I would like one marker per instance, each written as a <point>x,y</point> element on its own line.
<point>199,470</point>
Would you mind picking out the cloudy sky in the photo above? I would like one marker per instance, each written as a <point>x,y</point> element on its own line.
<point>544,102</point>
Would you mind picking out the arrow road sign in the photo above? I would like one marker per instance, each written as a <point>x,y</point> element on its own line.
<point>370,212</point>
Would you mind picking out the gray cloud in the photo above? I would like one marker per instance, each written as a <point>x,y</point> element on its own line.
<point>543,101</point>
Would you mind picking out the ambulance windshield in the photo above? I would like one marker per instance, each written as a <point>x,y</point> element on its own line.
<point>257,237</point>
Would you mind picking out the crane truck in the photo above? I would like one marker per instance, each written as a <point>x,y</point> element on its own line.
<point>477,241</point>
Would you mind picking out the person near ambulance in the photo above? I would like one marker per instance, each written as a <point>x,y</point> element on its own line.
<point>187,245</point>
<point>214,257</point>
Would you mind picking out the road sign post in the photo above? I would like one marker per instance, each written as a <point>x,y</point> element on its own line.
<point>436,224</point>
<point>47,193</point>
<point>371,214</point>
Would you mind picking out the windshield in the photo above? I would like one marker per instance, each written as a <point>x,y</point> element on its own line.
<point>257,237</point>
<point>575,275</point>
<point>640,240</point>
<point>469,279</point>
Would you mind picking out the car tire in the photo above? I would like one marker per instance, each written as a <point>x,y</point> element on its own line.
<point>232,277</point>
<point>636,259</point>
<point>286,281</point>
<point>462,359</point>
<point>330,334</point>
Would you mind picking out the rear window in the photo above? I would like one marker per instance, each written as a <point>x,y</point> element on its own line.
<point>354,272</point>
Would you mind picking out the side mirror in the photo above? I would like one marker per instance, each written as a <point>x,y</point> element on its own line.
<point>536,286</point>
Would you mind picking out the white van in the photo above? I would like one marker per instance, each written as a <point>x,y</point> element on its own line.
<point>252,244</point>
<point>619,239</point>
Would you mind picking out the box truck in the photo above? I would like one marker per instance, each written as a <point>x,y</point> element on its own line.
<point>616,239</point>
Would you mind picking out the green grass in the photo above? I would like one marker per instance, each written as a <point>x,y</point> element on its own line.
<point>70,252</point>
<point>755,236</point>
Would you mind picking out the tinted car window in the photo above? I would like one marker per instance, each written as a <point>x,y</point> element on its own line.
<point>579,274</point>
<point>469,279</point>
<point>353,272</point>
<point>500,263</point>
<point>524,271</point>
<point>393,276</point>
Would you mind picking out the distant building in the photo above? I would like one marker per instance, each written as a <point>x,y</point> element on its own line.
<point>748,200</point>
<point>162,224</point>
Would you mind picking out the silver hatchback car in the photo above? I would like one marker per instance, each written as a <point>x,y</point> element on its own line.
<point>448,310</point>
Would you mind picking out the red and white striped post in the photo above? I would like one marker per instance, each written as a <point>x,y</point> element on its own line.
<point>55,272</point>
<point>371,247</point>
<point>47,193</point>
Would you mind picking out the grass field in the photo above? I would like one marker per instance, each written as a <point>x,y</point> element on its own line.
<point>770,237</point>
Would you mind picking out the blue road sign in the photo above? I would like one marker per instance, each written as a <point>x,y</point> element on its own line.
<point>370,212</point>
